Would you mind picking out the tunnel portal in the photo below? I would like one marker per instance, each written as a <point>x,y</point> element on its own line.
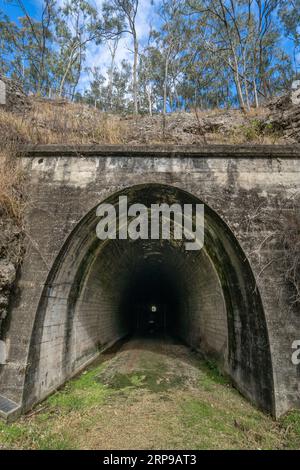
<point>101,291</point>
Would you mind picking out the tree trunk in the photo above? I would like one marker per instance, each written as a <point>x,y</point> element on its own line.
<point>69,65</point>
<point>246,83</point>
<point>135,63</point>
<point>78,75</point>
<point>113,51</point>
<point>149,96</point>
<point>165,86</point>
<point>239,91</point>
<point>255,94</point>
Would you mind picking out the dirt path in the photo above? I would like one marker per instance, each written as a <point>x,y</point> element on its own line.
<point>150,394</point>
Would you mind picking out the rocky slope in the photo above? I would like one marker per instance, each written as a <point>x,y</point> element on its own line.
<point>284,116</point>
<point>16,99</point>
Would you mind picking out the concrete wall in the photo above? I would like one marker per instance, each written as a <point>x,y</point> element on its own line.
<point>241,185</point>
<point>204,322</point>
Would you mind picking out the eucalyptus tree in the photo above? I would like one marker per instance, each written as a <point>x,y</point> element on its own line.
<point>245,35</point>
<point>146,81</point>
<point>127,12</point>
<point>289,12</point>
<point>31,43</point>
<point>8,33</point>
<point>75,30</point>
<point>114,24</point>
<point>170,42</point>
<point>96,94</point>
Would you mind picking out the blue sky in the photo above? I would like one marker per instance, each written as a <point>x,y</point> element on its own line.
<point>33,7</point>
<point>96,56</point>
<point>99,56</point>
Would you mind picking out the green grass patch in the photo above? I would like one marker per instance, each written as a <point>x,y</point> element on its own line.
<point>291,423</point>
<point>80,393</point>
<point>151,380</point>
<point>209,426</point>
<point>11,433</point>
<point>257,130</point>
<point>210,376</point>
<point>32,436</point>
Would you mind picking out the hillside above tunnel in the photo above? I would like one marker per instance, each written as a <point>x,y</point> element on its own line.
<point>39,120</point>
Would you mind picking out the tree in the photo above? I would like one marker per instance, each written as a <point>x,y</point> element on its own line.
<point>75,29</point>
<point>95,95</point>
<point>245,36</point>
<point>289,12</point>
<point>31,46</point>
<point>114,23</point>
<point>8,31</point>
<point>202,53</point>
<point>127,12</point>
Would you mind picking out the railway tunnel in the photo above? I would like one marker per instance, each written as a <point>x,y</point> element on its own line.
<point>101,291</point>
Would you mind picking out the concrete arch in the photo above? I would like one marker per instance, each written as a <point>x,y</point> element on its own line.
<point>218,309</point>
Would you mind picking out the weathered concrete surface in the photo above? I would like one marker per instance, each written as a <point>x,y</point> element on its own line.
<point>66,306</point>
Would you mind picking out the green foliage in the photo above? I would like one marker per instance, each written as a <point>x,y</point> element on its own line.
<point>257,130</point>
<point>199,55</point>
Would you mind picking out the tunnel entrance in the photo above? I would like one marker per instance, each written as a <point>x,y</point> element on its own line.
<point>101,291</point>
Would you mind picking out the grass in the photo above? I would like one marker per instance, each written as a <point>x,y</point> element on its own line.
<point>12,202</point>
<point>150,380</point>
<point>80,394</point>
<point>32,437</point>
<point>56,122</point>
<point>157,403</point>
<point>47,122</point>
<point>255,131</point>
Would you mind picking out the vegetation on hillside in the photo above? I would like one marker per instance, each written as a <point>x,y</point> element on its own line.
<point>46,123</point>
<point>198,53</point>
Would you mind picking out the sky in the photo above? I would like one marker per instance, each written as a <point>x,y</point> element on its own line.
<point>99,56</point>
<point>96,56</point>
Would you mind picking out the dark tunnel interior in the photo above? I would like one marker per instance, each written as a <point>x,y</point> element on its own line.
<point>153,289</point>
<point>151,299</point>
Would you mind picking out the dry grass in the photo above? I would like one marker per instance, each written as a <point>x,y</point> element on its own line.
<point>11,185</point>
<point>12,204</point>
<point>47,122</point>
<point>11,176</point>
<point>59,122</point>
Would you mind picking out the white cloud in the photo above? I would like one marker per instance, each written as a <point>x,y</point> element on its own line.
<point>99,56</point>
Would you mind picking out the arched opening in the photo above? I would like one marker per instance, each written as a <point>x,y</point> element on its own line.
<point>101,291</point>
